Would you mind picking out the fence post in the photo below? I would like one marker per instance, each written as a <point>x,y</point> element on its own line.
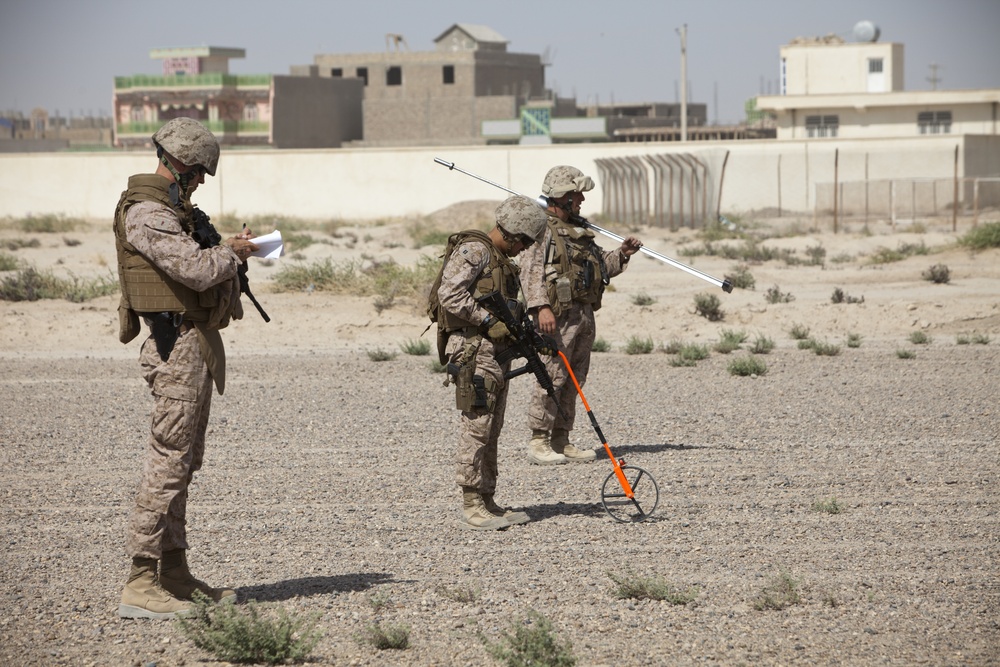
<point>836,167</point>
<point>954,205</point>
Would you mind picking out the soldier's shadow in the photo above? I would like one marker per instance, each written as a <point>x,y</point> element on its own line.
<point>550,510</point>
<point>307,586</point>
<point>619,450</point>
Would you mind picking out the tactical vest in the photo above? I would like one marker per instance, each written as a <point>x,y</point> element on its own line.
<point>574,267</point>
<point>145,288</point>
<point>500,275</point>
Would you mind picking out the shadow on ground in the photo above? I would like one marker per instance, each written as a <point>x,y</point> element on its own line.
<point>307,586</point>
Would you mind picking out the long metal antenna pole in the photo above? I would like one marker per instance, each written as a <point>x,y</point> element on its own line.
<point>726,285</point>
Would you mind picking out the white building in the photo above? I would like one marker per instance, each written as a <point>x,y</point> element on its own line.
<point>854,90</point>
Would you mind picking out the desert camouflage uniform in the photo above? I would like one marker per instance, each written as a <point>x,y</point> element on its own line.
<point>476,461</point>
<point>575,334</point>
<point>181,385</point>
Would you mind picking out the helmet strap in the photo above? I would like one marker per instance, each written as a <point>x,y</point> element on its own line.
<point>181,179</point>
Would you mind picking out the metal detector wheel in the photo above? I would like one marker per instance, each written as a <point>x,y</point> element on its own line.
<point>642,504</point>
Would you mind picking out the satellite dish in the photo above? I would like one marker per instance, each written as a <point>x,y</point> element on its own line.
<point>866,31</point>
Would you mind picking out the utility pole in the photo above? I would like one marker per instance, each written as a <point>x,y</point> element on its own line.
<point>934,79</point>
<point>682,31</point>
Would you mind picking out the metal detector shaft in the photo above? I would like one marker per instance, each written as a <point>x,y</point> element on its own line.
<point>626,487</point>
<point>726,285</point>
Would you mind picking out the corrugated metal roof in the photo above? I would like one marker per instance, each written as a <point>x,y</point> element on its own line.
<point>480,33</point>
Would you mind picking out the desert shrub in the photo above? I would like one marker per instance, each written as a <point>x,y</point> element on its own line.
<point>982,237</point>
<point>8,262</point>
<point>782,591</point>
<point>980,339</point>
<point>31,285</point>
<point>630,586</point>
<point>18,243</point>
<point>729,340</point>
<point>378,354</point>
<point>531,641</point>
<point>853,340</point>
<point>741,277</point>
<point>385,637</point>
<point>884,255</point>
<point>249,633</point>
<point>642,299</point>
<point>839,296</point>
<point>906,354</point>
<point>437,367</point>
<point>709,307</point>
<point>816,254</point>
<point>824,349</point>
<point>463,594</point>
<point>385,279</point>
<point>938,273</point>
<point>919,338</point>
<point>689,354</point>
<point>962,339</point>
<point>827,506</point>
<point>600,345</point>
<point>762,345</point>
<point>418,347</point>
<point>48,224</point>
<point>636,345</point>
<point>747,366</point>
<point>799,332</point>
<point>672,347</point>
<point>842,258</point>
<point>775,295</point>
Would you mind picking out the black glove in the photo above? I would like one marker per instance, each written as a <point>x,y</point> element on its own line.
<point>547,346</point>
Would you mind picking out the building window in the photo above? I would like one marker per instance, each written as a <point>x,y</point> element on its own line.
<point>784,77</point>
<point>394,75</point>
<point>337,72</point>
<point>874,65</point>
<point>251,112</point>
<point>362,73</point>
<point>934,122</point>
<point>822,126</point>
<point>448,74</point>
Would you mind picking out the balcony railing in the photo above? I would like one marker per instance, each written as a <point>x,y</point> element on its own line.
<point>221,127</point>
<point>211,80</point>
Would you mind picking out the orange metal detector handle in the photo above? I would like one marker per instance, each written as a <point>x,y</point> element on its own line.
<point>626,487</point>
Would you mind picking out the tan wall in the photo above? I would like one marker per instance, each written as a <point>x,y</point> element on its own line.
<point>820,69</point>
<point>370,183</point>
<point>886,122</point>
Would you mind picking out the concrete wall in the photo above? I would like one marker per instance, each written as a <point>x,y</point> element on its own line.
<point>818,69</point>
<point>370,183</point>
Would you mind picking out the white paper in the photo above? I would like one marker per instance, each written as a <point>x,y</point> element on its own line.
<point>270,245</point>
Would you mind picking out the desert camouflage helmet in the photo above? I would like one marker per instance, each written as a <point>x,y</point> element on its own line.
<point>563,179</point>
<point>520,215</point>
<point>190,142</point>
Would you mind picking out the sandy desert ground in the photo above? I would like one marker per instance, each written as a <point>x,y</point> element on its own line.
<point>328,483</point>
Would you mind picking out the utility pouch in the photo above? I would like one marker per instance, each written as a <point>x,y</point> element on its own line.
<point>165,327</point>
<point>465,391</point>
<point>564,290</point>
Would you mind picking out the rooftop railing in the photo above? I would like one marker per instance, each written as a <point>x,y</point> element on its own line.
<point>211,80</point>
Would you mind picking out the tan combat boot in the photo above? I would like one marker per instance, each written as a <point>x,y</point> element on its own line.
<point>143,596</point>
<point>176,579</point>
<point>562,445</point>
<point>475,516</point>
<point>513,518</point>
<point>540,452</point>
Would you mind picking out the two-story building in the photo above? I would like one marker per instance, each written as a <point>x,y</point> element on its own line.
<point>833,88</point>
<point>241,110</point>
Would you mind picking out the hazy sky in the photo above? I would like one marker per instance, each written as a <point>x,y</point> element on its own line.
<point>63,55</point>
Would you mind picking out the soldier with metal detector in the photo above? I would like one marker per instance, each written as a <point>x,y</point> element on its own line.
<point>474,340</point>
<point>564,278</point>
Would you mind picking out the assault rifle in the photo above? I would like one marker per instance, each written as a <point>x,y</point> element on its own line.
<point>526,343</point>
<point>208,237</point>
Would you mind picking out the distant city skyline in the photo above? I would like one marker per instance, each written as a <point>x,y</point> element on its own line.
<point>63,57</point>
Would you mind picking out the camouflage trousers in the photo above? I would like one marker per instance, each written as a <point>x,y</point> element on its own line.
<point>575,333</point>
<point>182,389</point>
<point>479,432</point>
